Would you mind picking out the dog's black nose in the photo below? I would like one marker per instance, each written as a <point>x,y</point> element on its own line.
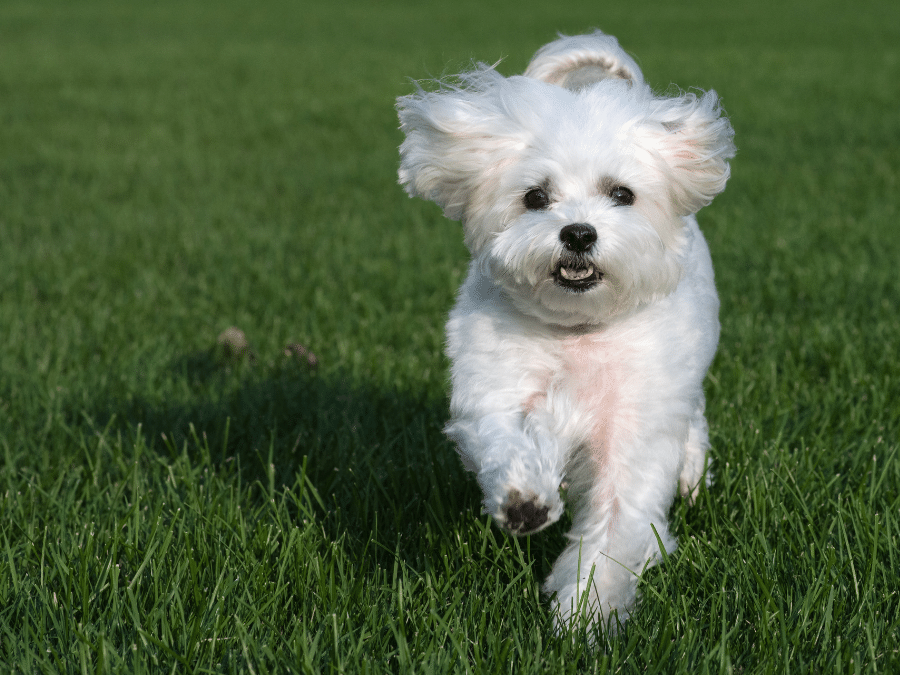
<point>578,237</point>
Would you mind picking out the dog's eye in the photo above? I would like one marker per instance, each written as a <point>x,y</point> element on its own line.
<point>622,196</point>
<point>536,199</point>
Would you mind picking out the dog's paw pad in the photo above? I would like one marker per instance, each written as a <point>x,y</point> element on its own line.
<point>524,515</point>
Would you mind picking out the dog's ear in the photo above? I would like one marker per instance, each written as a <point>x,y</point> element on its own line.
<point>455,139</point>
<point>579,61</point>
<point>694,140</point>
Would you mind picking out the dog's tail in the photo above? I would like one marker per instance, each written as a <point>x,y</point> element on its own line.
<point>580,61</point>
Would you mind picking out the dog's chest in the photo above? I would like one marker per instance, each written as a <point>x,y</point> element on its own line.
<point>584,391</point>
<point>588,361</point>
<point>592,373</point>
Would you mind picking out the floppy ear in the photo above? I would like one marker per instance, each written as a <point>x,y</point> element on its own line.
<point>693,138</point>
<point>454,137</point>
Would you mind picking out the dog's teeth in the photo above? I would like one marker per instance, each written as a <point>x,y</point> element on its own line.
<point>575,275</point>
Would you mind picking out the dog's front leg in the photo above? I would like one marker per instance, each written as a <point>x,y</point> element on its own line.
<point>620,525</point>
<point>519,465</point>
<point>501,422</point>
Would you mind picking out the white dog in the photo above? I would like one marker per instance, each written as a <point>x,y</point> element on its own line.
<point>589,317</point>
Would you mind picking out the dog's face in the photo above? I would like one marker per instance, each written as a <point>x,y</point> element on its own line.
<point>571,201</point>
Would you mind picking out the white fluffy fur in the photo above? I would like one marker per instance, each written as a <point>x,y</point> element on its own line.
<point>598,390</point>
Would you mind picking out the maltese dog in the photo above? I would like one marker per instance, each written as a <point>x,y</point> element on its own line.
<point>584,329</point>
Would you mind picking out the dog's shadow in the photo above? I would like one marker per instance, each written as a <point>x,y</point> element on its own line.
<point>375,457</point>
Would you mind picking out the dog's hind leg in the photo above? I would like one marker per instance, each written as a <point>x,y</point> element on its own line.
<point>696,466</point>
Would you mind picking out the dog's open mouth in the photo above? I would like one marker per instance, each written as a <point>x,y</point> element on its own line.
<point>576,275</point>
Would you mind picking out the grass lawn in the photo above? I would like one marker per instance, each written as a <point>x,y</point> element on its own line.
<point>170,169</point>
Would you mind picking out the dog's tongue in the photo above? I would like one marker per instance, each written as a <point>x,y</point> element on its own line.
<point>571,274</point>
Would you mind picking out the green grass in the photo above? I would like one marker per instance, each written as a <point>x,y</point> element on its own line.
<point>170,169</point>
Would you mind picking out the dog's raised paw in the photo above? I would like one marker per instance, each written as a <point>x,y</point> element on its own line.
<point>523,515</point>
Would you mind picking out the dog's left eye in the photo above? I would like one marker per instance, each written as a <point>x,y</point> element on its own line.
<point>622,196</point>
<point>536,199</point>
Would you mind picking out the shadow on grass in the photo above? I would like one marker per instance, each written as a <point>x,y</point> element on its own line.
<point>377,458</point>
<point>365,449</point>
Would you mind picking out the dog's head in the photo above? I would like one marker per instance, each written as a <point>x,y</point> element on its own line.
<point>572,181</point>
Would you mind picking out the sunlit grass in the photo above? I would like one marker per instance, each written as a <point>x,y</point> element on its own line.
<point>169,170</point>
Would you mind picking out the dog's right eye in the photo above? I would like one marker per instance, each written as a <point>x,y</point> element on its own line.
<point>536,199</point>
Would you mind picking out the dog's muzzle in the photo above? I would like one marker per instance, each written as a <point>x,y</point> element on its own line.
<point>574,271</point>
